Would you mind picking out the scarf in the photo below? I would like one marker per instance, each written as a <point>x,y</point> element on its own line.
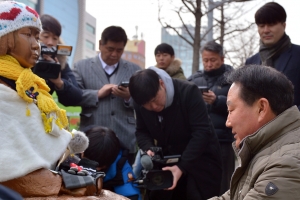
<point>32,88</point>
<point>269,53</point>
<point>216,72</point>
<point>165,77</point>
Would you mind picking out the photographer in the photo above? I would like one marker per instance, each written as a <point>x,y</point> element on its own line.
<point>66,87</point>
<point>173,113</point>
<point>106,149</point>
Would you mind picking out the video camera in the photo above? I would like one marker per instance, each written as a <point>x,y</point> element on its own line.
<point>153,178</point>
<point>48,69</point>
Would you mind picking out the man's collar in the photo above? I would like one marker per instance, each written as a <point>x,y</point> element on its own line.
<point>104,64</point>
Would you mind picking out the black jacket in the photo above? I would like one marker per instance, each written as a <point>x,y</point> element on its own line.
<point>185,129</point>
<point>216,82</point>
<point>71,94</point>
<point>289,64</point>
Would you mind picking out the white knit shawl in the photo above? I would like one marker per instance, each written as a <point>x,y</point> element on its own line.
<point>24,145</point>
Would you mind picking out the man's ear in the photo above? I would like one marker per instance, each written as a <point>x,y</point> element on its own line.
<point>162,84</point>
<point>265,113</point>
<point>222,59</point>
<point>99,44</point>
<point>284,25</point>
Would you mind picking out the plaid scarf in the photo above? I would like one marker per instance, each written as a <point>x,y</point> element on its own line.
<point>269,53</point>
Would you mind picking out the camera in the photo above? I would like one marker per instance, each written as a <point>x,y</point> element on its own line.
<point>153,178</point>
<point>203,88</point>
<point>50,69</point>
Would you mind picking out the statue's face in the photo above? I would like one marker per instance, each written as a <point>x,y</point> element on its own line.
<point>26,46</point>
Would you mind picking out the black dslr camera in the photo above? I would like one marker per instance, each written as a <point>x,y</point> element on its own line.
<point>48,69</point>
<point>153,178</point>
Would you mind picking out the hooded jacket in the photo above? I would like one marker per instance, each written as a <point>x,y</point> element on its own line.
<point>269,161</point>
<point>175,70</point>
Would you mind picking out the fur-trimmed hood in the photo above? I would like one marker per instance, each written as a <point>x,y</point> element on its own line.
<point>175,70</point>
<point>174,67</point>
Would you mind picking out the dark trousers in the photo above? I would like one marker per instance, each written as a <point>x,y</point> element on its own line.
<point>228,165</point>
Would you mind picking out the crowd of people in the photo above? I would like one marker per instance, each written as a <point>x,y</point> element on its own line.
<point>211,120</point>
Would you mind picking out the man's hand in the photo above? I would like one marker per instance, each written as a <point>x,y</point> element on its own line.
<point>49,58</point>
<point>209,97</point>
<point>150,153</point>
<point>176,175</point>
<point>105,90</point>
<point>57,82</point>
<point>122,92</point>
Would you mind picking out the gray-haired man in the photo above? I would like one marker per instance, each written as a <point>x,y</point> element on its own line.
<point>215,95</point>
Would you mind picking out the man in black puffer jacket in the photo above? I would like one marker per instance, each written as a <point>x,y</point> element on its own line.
<point>215,97</point>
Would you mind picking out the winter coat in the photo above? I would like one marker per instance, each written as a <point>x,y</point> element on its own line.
<point>185,129</point>
<point>269,161</point>
<point>288,64</point>
<point>175,70</point>
<point>215,80</point>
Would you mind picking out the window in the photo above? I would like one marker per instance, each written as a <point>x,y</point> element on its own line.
<point>90,28</point>
<point>90,45</point>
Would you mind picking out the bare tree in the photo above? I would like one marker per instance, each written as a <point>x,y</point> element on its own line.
<point>242,47</point>
<point>194,12</point>
<point>240,39</point>
<point>226,24</point>
<point>193,8</point>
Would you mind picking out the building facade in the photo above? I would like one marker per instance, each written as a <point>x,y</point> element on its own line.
<point>135,52</point>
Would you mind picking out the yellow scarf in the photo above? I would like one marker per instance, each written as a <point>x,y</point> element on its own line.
<point>28,82</point>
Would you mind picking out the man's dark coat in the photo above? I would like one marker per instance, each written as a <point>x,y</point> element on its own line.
<point>185,129</point>
<point>218,110</point>
<point>289,64</point>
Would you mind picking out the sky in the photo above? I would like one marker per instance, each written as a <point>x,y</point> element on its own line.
<point>144,14</point>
